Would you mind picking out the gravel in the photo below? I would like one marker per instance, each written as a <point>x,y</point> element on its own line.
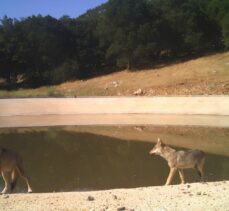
<point>195,196</point>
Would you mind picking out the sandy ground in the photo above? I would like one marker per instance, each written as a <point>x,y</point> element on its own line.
<point>195,196</point>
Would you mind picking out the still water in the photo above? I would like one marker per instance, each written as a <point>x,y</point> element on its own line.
<point>96,158</point>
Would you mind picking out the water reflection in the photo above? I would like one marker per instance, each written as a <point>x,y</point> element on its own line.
<point>60,159</point>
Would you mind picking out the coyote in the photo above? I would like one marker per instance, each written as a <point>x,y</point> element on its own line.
<point>11,162</point>
<point>179,160</point>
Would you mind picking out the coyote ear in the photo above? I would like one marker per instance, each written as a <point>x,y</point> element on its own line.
<point>160,142</point>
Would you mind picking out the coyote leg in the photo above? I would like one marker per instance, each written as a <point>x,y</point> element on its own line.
<point>7,183</point>
<point>171,175</point>
<point>181,174</point>
<point>14,177</point>
<point>201,172</point>
<point>25,177</point>
<point>200,169</point>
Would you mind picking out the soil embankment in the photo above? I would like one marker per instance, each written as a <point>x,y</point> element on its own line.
<point>192,111</point>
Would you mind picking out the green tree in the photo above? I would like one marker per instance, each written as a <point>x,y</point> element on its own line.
<point>9,43</point>
<point>225,29</point>
<point>120,25</point>
<point>118,34</point>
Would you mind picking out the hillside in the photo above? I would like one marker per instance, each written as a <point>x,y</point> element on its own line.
<point>117,35</point>
<point>208,75</point>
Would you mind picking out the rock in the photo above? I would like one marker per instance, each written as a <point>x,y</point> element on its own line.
<point>204,194</point>
<point>139,92</point>
<point>115,83</point>
<point>140,129</point>
<point>115,197</point>
<point>198,193</point>
<point>90,198</point>
<point>5,196</point>
<point>152,92</point>
<point>188,186</point>
<point>121,209</point>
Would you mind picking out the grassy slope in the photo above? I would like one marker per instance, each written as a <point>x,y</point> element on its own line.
<point>205,75</point>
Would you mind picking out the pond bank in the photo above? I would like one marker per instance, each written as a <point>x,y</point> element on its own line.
<point>191,111</point>
<point>194,105</point>
<point>218,121</point>
<point>195,196</point>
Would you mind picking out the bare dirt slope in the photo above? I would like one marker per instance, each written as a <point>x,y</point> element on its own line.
<point>206,75</point>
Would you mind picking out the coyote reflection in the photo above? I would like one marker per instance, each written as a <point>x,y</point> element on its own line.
<point>179,160</point>
<point>11,162</point>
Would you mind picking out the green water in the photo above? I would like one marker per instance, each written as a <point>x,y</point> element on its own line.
<point>61,160</point>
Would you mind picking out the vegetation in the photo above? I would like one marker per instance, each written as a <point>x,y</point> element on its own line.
<point>121,34</point>
<point>207,75</point>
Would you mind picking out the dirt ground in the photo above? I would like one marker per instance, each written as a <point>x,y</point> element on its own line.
<point>195,196</point>
<point>207,75</point>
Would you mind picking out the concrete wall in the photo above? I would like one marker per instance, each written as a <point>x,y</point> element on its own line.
<point>215,105</point>
<point>114,119</point>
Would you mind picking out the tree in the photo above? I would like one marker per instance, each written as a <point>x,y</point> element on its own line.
<point>9,43</point>
<point>120,24</point>
<point>225,29</point>
<point>116,35</point>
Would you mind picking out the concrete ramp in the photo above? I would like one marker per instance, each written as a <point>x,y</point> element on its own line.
<point>215,105</point>
<point>190,111</point>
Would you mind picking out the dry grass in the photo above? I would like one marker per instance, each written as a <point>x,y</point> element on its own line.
<point>202,76</point>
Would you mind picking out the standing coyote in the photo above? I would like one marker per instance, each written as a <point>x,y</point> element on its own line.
<point>11,162</point>
<point>179,160</point>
